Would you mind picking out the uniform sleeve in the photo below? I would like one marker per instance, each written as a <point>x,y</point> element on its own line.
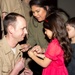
<point>53,51</point>
<point>0,66</point>
<point>6,5</point>
<point>0,7</point>
<point>1,63</point>
<point>30,39</point>
<point>11,6</point>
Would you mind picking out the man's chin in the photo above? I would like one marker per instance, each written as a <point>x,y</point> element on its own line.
<point>21,40</point>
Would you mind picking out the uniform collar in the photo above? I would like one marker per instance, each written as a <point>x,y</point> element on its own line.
<point>7,48</point>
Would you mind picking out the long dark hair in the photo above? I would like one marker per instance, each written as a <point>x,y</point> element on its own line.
<point>43,4</point>
<point>55,23</point>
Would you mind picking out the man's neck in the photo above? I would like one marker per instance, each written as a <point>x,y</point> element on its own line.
<point>12,43</point>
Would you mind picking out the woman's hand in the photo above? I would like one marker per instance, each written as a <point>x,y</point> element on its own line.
<point>25,47</point>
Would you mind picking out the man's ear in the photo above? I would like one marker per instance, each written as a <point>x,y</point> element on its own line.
<point>10,29</point>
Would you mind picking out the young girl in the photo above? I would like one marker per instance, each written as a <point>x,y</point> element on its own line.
<point>70,26</point>
<point>58,49</point>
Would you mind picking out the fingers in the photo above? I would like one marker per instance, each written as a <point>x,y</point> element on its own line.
<point>28,72</point>
<point>20,62</point>
<point>25,47</point>
<point>37,49</point>
<point>22,59</point>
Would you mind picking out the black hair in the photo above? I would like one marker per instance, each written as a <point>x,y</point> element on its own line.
<point>43,4</point>
<point>55,23</point>
<point>71,22</point>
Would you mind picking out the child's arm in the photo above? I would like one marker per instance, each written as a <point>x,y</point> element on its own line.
<point>42,62</point>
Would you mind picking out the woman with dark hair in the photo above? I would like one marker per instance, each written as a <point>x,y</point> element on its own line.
<point>58,50</point>
<point>40,9</point>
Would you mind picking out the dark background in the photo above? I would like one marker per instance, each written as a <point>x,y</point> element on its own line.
<point>66,5</point>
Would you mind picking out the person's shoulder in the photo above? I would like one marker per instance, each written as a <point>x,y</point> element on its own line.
<point>1,43</point>
<point>1,46</point>
<point>55,44</point>
<point>54,41</point>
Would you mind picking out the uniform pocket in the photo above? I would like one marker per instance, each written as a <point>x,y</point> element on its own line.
<point>6,69</point>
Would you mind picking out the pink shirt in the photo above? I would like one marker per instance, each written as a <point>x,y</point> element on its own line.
<point>55,53</point>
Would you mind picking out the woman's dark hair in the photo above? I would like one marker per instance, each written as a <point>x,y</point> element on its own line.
<point>43,4</point>
<point>55,23</point>
<point>63,14</point>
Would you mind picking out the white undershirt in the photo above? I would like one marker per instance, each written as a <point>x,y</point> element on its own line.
<point>14,50</point>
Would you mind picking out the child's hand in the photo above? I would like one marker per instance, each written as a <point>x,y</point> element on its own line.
<point>37,48</point>
<point>39,55</point>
